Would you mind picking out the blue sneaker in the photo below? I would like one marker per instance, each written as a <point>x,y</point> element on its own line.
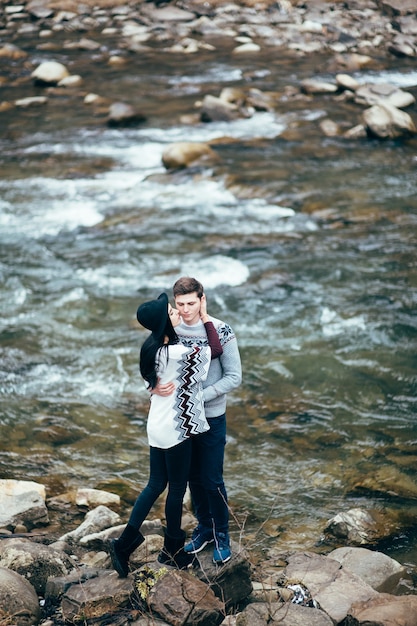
<point>222,552</point>
<point>201,537</point>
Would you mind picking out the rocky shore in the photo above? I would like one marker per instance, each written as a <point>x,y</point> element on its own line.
<point>343,36</point>
<point>51,577</point>
<point>375,27</point>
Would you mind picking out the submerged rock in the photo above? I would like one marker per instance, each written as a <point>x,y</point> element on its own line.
<point>353,527</point>
<point>122,114</point>
<point>184,153</point>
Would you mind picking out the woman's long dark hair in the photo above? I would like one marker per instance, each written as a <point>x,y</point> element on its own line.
<point>149,351</point>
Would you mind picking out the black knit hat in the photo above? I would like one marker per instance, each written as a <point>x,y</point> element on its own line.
<point>153,314</point>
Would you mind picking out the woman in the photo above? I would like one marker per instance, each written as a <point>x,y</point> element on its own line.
<point>172,421</point>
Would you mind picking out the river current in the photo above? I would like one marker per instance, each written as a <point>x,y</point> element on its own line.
<point>306,247</point>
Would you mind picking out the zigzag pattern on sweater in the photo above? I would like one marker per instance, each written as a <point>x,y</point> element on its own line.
<point>189,417</point>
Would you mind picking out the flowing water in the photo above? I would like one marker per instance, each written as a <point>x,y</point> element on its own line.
<point>305,244</point>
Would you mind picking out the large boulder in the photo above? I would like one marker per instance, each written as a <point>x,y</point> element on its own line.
<point>19,604</point>
<point>379,570</point>
<point>34,561</point>
<point>331,586</point>
<point>22,502</point>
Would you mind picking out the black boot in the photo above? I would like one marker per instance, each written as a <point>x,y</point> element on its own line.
<point>121,549</point>
<point>173,553</point>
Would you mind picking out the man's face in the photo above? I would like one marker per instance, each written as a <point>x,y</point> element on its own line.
<point>189,307</point>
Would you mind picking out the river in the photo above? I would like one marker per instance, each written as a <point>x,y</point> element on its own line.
<point>305,244</point>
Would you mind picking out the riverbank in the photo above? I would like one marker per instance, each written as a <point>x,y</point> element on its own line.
<point>350,35</point>
<point>50,577</point>
<point>379,28</point>
<point>343,38</point>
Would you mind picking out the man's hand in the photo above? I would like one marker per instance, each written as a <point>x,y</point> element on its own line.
<point>165,389</point>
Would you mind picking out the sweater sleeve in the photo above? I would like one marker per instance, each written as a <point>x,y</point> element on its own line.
<point>225,374</point>
<point>213,340</point>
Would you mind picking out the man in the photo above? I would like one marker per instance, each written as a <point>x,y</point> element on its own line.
<point>207,487</point>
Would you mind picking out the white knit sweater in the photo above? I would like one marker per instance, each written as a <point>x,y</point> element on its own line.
<point>174,418</point>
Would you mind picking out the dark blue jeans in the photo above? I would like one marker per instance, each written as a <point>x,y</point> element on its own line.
<point>207,487</point>
<point>170,467</point>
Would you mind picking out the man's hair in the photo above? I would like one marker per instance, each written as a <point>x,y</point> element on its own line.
<point>185,285</point>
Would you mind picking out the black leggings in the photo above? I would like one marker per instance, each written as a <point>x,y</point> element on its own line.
<point>170,467</point>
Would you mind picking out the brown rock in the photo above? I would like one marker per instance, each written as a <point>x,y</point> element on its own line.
<point>96,597</point>
<point>179,598</point>
<point>384,610</point>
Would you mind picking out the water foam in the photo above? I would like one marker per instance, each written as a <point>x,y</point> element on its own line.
<point>333,324</point>
<point>213,271</point>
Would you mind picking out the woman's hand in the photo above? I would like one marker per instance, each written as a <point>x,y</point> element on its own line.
<point>165,389</point>
<point>203,309</point>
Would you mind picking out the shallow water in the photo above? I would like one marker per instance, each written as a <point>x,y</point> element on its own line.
<point>306,246</point>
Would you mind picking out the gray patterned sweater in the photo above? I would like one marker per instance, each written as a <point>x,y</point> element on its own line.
<point>225,373</point>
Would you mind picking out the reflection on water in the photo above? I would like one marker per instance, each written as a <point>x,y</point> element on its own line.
<point>306,247</point>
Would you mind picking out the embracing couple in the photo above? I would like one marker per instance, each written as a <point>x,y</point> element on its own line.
<point>189,363</point>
